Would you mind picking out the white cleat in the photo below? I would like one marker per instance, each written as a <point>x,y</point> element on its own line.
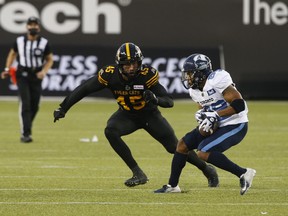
<point>246,180</point>
<point>168,189</point>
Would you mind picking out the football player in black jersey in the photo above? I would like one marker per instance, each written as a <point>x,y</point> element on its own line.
<point>138,93</point>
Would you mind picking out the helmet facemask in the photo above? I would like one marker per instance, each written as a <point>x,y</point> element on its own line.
<point>133,73</point>
<point>192,79</point>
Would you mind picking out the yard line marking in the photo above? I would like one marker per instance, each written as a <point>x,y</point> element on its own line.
<point>134,189</point>
<point>276,178</point>
<point>142,203</point>
<point>68,177</point>
<point>59,167</point>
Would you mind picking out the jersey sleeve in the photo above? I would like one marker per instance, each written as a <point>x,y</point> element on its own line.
<point>15,47</point>
<point>221,80</point>
<point>47,49</point>
<point>152,76</point>
<point>88,87</point>
<point>164,99</point>
<point>105,74</point>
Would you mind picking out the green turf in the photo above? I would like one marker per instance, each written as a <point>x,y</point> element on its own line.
<point>59,175</point>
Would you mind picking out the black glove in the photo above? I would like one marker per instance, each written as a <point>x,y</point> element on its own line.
<point>149,96</point>
<point>58,113</point>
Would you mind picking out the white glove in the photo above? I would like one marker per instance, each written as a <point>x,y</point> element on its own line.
<point>199,116</point>
<point>210,120</point>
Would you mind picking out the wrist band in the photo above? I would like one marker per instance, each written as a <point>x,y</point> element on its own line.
<point>6,69</point>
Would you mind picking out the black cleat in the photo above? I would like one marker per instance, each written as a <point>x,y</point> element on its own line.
<point>136,179</point>
<point>26,139</point>
<point>212,176</point>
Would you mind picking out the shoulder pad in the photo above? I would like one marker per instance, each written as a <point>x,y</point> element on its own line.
<point>151,75</point>
<point>221,79</point>
<point>105,73</point>
<point>147,69</point>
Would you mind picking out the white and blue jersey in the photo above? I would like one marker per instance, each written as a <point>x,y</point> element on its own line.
<point>211,98</point>
<point>232,129</point>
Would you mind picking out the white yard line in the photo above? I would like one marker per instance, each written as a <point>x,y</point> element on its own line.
<point>127,189</point>
<point>143,203</point>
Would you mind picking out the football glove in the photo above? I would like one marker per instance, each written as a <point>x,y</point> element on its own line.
<point>209,121</point>
<point>199,116</point>
<point>58,113</point>
<point>149,96</point>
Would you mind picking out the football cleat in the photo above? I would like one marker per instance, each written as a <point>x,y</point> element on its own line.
<point>246,180</point>
<point>168,189</point>
<point>137,179</point>
<point>26,139</point>
<point>212,176</point>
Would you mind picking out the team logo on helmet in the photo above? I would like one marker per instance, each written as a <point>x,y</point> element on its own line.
<point>201,62</point>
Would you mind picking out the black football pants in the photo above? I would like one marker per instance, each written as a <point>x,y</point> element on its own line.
<point>123,123</point>
<point>29,90</point>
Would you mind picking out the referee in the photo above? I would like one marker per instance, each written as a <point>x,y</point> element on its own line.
<point>34,59</point>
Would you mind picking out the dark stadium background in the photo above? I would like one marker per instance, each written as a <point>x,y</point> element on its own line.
<point>246,37</point>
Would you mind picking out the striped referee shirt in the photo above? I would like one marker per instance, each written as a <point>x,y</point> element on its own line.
<point>31,54</point>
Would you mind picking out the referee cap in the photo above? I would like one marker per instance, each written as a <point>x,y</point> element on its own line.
<point>33,20</point>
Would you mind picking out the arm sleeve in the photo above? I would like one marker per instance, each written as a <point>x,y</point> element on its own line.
<point>47,50</point>
<point>164,99</point>
<point>15,47</point>
<point>89,86</point>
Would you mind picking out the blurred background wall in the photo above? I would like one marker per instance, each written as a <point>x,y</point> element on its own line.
<point>246,37</point>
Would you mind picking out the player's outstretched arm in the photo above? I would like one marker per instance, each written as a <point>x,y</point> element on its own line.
<point>88,87</point>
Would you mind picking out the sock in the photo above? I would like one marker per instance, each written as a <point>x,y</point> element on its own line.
<point>220,160</point>
<point>193,159</point>
<point>178,163</point>
<point>137,170</point>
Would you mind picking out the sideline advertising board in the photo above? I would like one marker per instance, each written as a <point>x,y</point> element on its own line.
<point>73,65</point>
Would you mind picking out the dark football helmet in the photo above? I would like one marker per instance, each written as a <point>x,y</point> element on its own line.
<point>126,54</point>
<point>196,69</point>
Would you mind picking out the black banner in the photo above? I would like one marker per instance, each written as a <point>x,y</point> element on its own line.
<point>73,65</point>
<point>252,33</point>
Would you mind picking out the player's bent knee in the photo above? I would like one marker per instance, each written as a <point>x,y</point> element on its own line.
<point>170,149</point>
<point>182,147</point>
<point>110,133</point>
<point>203,155</point>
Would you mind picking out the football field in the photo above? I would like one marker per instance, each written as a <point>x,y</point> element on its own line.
<point>64,173</point>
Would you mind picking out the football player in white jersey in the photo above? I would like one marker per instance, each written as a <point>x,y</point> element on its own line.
<point>221,105</point>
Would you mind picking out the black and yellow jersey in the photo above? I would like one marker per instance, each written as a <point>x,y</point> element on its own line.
<point>128,94</point>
